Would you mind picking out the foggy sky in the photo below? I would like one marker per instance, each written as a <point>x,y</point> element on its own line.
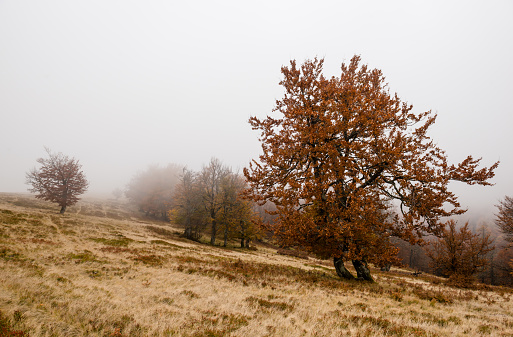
<point>121,85</point>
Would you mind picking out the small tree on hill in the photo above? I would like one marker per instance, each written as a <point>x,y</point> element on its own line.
<point>338,151</point>
<point>460,254</point>
<point>59,180</point>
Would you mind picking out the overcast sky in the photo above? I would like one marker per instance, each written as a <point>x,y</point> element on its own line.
<point>124,84</point>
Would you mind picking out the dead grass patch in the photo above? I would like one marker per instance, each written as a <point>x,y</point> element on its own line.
<point>151,259</point>
<point>162,231</point>
<point>292,252</point>
<point>118,242</point>
<point>81,276</point>
<point>7,328</point>
<point>82,257</point>
<point>266,305</point>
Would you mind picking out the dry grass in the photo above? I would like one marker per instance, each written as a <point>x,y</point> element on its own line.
<point>101,271</point>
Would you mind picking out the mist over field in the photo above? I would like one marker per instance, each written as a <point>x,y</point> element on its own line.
<point>121,86</point>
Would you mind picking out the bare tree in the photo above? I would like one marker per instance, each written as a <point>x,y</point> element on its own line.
<point>188,207</point>
<point>210,180</point>
<point>237,218</point>
<point>59,179</point>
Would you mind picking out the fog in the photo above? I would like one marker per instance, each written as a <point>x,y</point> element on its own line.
<point>121,85</point>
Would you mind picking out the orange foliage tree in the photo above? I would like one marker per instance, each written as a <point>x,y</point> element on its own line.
<point>459,254</point>
<point>340,150</point>
<point>59,179</point>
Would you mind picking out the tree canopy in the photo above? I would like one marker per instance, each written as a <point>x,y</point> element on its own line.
<point>59,179</point>
<point>340,153</point>
<point>213,196</point>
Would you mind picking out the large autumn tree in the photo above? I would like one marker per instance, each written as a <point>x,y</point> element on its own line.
<point>60,179</point>
<point>341,153</point>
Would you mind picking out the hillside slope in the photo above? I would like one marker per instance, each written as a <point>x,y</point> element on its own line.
<point>99,270</point>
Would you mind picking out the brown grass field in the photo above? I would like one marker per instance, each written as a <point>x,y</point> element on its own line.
<point>100,270</point>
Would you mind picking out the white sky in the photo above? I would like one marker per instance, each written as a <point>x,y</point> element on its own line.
<point>124,84</point>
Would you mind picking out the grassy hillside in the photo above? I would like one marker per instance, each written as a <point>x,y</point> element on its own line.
<point>99,270</point>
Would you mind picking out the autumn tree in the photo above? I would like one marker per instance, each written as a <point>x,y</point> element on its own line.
<point>459,253</point>
<point>338,152</point>
<point>152,190</point>
<point>504,219</point>
<point>188,209</point>
<point>504,265</point>
<point>60,179</point>
<point>237,218</point>
<point>231,186</point>
<point>248,224</point>
<point>210,179</point>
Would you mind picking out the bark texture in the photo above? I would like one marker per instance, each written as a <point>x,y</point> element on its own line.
<point>362,270</point>
<point>341,270</point>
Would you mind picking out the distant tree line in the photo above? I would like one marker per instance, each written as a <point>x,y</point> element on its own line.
<point>152,190</point>
<point>210,198</point>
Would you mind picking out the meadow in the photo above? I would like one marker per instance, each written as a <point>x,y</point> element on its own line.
<point>102,270</point>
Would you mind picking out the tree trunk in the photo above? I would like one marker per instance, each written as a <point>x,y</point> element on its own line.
<point>242,234</point>
<point>63,209</point>
<point>342,272</point>
<point>213,236</point>
<point>362,270</point>
<point>247,243</point>
<point>188,232</point>
<point>225,237</point>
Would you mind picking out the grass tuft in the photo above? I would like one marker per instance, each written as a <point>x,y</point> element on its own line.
<point>6,328</point>
<point>121,242</point>
<point>266,304</point>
